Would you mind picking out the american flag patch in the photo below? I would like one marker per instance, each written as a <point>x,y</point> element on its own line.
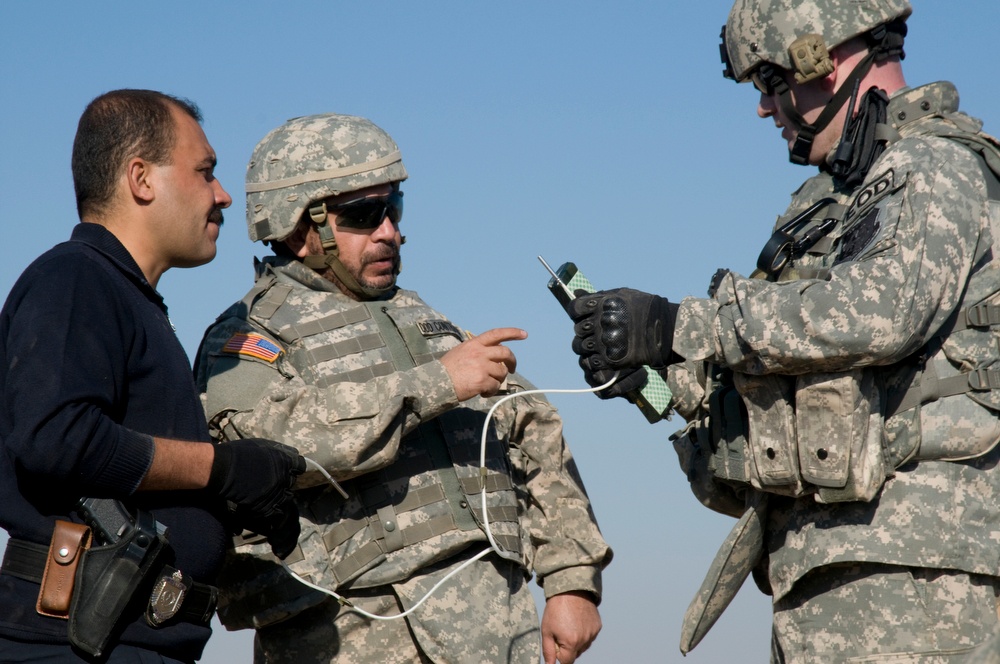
<point>253,345</point>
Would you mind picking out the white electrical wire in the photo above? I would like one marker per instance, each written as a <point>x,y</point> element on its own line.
<point>329,478</point>
<point>509,555</point>
<point>494,547</point>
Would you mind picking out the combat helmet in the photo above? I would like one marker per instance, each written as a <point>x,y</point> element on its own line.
<point>297,166</point>
<point>764,37</point>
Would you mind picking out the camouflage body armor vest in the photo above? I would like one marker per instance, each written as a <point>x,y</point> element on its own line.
<point>423,508</point>
<point>839,436</point>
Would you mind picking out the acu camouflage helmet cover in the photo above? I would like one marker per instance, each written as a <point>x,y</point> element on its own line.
<point>760,31</point>
<point>309,159</point>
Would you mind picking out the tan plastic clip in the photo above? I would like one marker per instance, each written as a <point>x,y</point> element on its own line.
<point>810,58</point>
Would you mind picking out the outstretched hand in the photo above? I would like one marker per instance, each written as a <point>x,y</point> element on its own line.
<point>479,366</point>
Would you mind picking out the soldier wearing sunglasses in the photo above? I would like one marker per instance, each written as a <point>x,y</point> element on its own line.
<point>843,401</point>
<point>326,353</point>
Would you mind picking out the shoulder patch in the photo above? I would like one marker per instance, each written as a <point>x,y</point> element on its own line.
<point>873,192</point>
<point>867,219</point>
<point>254,345</point>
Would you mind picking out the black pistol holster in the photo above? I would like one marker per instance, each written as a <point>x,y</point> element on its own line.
<point>113,576</point>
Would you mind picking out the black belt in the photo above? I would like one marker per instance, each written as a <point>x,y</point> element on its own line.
<point>26,560</point>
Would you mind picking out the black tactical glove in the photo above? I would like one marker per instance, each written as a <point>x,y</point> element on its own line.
<point>622,328</point>
<point>256,476</point>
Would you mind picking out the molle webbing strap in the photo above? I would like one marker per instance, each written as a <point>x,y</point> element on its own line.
<point>494,482</point>
<point>498,513</point>
<point>290,333</point>
<point>352,565</point>
<point>272,300</point>
<point>387,529</point>
<point>983,314</point>
<point>319,176</point>
<point>376,549</point>
<point>261,285</point>
<point>349,527</point>
<point>325,353</point>
<point>342,348</point>
<point>928,387</point>
<point>433,441</point>
<point>362,375</point>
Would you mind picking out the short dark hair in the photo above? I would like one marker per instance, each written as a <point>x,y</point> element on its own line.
<point>115,127</point>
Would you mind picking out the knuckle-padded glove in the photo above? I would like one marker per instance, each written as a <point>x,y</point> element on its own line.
<point>256,476</point>
<point>622,328</point>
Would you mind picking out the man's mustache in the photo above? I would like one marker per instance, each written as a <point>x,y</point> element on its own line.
<point>383,252</point>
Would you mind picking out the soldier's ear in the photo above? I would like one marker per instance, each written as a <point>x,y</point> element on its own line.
<point>139,180</point>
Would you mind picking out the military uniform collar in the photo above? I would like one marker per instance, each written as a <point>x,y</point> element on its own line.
<point>908,105</point>
<point>911,104</point>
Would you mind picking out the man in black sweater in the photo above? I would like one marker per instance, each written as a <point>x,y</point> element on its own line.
<point>97,401</point>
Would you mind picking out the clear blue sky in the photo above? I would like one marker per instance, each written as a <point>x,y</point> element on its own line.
<point>601,133</point>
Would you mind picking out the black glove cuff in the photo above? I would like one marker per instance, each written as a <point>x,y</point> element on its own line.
<point>662,317</point>
<point>218,477</point>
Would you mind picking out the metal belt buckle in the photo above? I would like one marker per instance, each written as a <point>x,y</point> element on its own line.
<point>166,598</point>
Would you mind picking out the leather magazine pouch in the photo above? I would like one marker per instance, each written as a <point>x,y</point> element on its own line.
<point>69,541</point>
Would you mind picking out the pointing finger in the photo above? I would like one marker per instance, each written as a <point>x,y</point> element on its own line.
<point>498,335</point>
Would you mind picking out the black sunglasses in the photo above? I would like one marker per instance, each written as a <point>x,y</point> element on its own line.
<point>368,213</point>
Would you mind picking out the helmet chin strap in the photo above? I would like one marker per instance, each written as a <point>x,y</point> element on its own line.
<point>806,133</point>
<point>884,41</point>
<point>331,258</point>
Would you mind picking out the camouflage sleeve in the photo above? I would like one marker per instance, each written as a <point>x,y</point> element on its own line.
<point>911,239</point>
<point>569,550</point>
<point>687,388</point>
<point>348,428</point>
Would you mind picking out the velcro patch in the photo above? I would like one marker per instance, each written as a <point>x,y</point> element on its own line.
<point>254,345</point>
<point>436,328</point>
<point>860,236</point>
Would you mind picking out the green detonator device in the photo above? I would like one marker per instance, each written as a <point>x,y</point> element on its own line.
<point>654,397</point>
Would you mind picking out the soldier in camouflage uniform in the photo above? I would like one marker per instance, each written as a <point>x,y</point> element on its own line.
<point>843,400</point>
<point>327,354</point>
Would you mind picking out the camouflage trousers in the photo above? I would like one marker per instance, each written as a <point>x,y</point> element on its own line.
<point>485,613</point>
<point>884,613</point>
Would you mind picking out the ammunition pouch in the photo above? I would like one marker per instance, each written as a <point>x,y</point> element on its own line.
<point>812,434</point>
<point>827,434</point>
<point>839,424</point>
<point>728,429</point>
